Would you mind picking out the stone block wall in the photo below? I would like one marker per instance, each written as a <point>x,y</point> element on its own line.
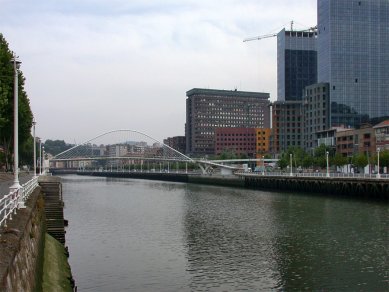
<point>22,247</point>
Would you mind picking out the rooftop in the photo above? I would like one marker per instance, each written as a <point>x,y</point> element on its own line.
<point>233,93</point>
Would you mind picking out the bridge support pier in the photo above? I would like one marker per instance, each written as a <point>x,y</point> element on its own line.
<point>204,168</point>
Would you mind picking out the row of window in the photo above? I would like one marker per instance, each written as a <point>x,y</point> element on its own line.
<point>235,134</point>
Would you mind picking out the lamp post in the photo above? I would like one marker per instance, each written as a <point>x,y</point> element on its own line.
<point>291,170</point>
<point>40,156</point>
<point>16,184</point>
<point>263,162</point>
<point>328,168</point>
<point>33,127</point>
<point>43,160</point>
<point>378,163</point>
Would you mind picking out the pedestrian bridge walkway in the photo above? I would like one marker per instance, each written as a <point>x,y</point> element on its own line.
<point>129,149</point>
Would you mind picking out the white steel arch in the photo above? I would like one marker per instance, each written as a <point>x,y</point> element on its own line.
<point>88,149</point>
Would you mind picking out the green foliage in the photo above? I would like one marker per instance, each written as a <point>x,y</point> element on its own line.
<point>359,160</point>
<point>55,147</point>
<point>227,154</point>
<point>339,160</point>
<point>322,149</point>
<point>384,158</point>
<point>307,161</point>
<point>299,158</point>
<point>6,106</point>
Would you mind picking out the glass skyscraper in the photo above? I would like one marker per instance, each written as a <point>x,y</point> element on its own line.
<point>296,63</point>
<point>353,57</point>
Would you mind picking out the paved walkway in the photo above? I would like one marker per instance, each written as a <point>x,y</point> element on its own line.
<point>7,179</point>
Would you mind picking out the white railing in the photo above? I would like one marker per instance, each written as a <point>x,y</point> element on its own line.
<point>315,174</point>
<point>15,199</point>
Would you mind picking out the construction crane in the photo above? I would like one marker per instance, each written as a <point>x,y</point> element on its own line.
<point>313,29</point>
<point>260,37</point>
<point>266,35</point>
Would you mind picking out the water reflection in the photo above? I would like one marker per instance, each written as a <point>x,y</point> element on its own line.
<point>229,248</point>
<point>134,235</point>
<point>332,244</point>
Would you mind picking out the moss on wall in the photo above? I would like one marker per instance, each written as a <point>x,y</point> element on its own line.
<point>57,275</point>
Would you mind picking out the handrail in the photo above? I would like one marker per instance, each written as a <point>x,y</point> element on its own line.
<point>316,174</point>
<point>15,199</point>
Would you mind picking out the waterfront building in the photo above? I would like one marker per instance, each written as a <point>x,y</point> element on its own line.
<point>350,141</point>
<point>262,141</point>
<point>296,63</point>
<point>117,150</point>
<point>316,113</point>
<point>327,138</point>
<point>208,109</point>
<point>287,121</point>
<point>177,142</point>
<point>353,57</point>
<point>382,135</point>
<point>236,141</point>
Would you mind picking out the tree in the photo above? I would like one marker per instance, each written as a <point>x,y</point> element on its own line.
<point>339,160</point>
<point>359,160</point>
<point>384,158</point>
<point>55,147</point>
<point>6,105</point>
<point>307,161</point>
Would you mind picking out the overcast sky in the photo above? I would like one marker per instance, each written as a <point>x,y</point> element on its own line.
<point>93,66</point>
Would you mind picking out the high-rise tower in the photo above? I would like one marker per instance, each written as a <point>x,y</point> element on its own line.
<point>353,57</point>
<point>296,63</point>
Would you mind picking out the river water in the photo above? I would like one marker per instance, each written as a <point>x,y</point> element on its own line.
<point>139,235</point>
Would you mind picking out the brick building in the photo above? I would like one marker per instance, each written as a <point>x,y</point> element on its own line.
<point>208,109</point>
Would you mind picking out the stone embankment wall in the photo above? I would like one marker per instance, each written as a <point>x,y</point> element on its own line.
<point>371,189</point>
<point>21,247</point>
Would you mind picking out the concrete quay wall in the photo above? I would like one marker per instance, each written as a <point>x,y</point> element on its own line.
<point>371,189</point>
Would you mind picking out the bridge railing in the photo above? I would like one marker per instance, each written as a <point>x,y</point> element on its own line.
<point>15,199</point>
<point>315,174</point>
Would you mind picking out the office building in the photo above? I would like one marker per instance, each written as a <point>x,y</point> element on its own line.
<point>316,113</point>
<point>238,142</point>
<point>353,57</point>
<point>208,109</point>
<point>287,120</point>
<point>296,63</point>
<point>177,143</point>
<point>263,141</point>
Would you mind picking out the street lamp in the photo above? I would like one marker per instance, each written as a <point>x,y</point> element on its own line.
<point>263,162</point>
<point>43,159</point>
<point>40,156</point>
<point>378,163</point>
<point>16,64</point>
<point>290,157</point>
<point>328,169</point>
<point>33,126</point>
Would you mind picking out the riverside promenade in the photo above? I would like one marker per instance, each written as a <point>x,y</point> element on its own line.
<point>7,180</point>
<point>369,188</point>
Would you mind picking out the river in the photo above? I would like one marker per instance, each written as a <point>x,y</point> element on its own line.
<point>139,235</point>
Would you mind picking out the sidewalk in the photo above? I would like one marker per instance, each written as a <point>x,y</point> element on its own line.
<point>7,179</point>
